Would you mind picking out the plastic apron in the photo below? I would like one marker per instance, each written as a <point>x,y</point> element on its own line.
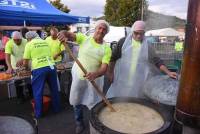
<point>82,91</point>
<point>125,83</point>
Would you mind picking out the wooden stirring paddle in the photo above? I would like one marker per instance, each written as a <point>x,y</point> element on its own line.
<point>96,87</point>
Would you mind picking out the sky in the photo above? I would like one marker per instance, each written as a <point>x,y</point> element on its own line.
<point>95,8</point>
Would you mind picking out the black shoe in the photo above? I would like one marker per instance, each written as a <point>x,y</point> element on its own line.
<point>80,128</point>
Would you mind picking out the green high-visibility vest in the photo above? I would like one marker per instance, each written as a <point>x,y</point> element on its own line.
<point>179,46</point>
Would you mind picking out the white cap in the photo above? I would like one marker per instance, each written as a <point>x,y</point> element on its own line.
<point>138,25</point>
<point>31,35</point>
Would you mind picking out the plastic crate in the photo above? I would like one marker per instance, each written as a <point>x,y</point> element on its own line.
<point>173,68</point>
<point>46,104</point>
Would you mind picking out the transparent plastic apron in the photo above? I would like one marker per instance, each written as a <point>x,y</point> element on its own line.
<point>123,84</point>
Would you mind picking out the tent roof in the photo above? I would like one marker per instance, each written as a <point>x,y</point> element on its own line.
<point>35,12</point>
<point>115,34</point>
<point>163,32</point>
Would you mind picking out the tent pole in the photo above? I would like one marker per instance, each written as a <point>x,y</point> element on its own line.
<point>24,23</point>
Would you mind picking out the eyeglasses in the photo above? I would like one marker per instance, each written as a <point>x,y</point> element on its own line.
<point>138,33</point>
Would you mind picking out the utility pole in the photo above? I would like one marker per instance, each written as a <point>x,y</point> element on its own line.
<point>188,102</point>
<point>142,12</point>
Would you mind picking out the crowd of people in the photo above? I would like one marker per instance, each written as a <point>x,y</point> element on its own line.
<point>127,67</point>
<point>40,56</point>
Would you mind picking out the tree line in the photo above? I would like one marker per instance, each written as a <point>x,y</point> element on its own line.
<point>116,12</point>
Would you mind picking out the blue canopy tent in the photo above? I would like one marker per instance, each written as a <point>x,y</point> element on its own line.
<point>34,13</point>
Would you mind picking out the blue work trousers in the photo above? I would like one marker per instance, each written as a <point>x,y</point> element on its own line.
<point>78,111</point>
<point>39,77</point>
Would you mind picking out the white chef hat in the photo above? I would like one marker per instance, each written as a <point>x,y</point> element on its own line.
<point>138,25</point>
<point>31,35</point>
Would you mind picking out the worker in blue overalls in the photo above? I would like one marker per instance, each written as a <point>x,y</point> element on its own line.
<point>38,51</point>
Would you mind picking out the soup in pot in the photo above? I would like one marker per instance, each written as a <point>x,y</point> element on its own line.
<point>131,118</point>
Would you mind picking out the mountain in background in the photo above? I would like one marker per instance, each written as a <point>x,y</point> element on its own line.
<point>157,21</point>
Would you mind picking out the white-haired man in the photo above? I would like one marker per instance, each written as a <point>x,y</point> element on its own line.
<point>132,63</point>
<point>14,51</point>
<point>94,55</point>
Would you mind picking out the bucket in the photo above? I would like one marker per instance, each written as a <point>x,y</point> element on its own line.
<point>178,63</point>
<point>46,104</point>
<point>97,127</point>
<point>173,68</point>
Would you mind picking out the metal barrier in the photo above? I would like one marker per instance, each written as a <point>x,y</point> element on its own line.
<point>168,54</point>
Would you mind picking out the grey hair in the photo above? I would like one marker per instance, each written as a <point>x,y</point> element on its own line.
<point>103,22</point>
<point>16,35</point>
<point>31,35</point>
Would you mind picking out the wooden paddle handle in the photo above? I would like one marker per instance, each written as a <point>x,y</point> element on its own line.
<point>98,90</point>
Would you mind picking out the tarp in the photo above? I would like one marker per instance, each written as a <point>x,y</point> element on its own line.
<point>115,34</point>
<point>34,12</point>
<point>163,32</point>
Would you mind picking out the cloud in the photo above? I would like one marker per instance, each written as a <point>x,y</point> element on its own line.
<point>95,8</point>
<point>170,7</point>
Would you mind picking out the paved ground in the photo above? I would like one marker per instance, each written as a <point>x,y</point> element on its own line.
<point>60,123</point>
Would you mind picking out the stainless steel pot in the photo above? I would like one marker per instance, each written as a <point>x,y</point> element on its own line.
<point>16,125</point>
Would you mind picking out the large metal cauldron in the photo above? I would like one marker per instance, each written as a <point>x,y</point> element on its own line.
<point>96,127</point>
<point>163,90</point>
<point>16,125</point>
